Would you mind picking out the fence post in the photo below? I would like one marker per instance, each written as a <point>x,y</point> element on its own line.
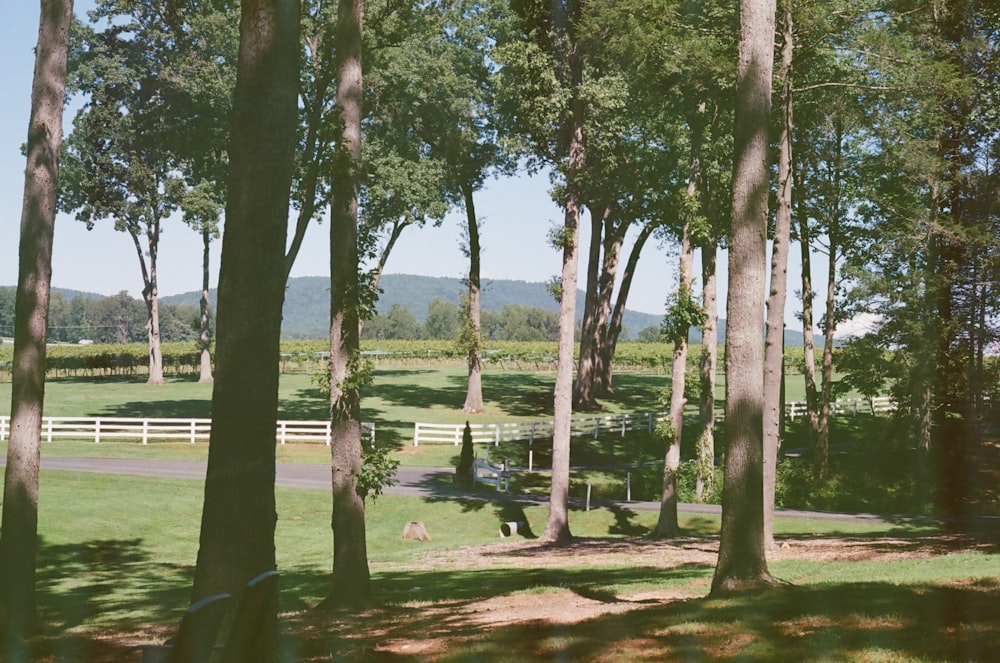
<point>624,419</point>
<point>597,427</point>
<point>458,437</point>
<point>416,434</point>
<point>145,430</point>
<point>97,430</point>
<point>496,435</point>
<point>194,431</point>
<point>281,432</point>
<point>328,428</point>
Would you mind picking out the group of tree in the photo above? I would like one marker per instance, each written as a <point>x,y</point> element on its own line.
<point>880,152</point>
<point>116,319</point>
<point>444,321</point>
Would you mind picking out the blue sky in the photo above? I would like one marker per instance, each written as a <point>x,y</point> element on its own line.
<point>517,214</point>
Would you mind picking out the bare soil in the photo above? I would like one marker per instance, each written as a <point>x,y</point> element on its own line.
<point>426,631</point>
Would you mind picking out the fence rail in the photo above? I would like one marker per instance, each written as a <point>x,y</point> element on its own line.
<point>532,430</point>
<point>190,430</point>
<point>851,406</point>
<point>610,424</point>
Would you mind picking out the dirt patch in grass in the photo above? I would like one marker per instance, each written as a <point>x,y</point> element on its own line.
<point>459,629</point>
<point>575,617</point>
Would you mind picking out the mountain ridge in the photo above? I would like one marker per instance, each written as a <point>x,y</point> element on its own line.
<point>307,306</point>
<point>306,312</point>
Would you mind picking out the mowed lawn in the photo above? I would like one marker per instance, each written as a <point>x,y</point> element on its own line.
<point>117,556</point>
<point>118,553</point>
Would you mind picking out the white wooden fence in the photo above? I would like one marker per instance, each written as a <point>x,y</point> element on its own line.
<point>611,423</point>
<point>851,406</point>
<point>532,430</point>
<point>190,430</point>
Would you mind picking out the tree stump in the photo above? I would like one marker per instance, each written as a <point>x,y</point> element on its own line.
<point>415,531</point>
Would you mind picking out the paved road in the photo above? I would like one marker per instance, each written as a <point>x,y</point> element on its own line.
<point>413,481</point>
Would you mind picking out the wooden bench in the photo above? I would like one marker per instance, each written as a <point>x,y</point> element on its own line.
<point>249,622</point>
<point>196,636</point>
<point>493,474</point>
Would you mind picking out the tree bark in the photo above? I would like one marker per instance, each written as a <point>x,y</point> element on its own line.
<point>150,292</point>
<point>808,346</point>
<point>350,584</point>
<point>742,561</point>
<point>618,312</point>
<point>557,527</point>
<point>584,397</point>
<point>614,237</point>
<point>705,479</point>
<point>238,517</point>
<point>667,524</point>
<point>19,528</point>
<point>205,336</point>
<point>822,449</point>
<point>474,388</point>
<point>774,345</point>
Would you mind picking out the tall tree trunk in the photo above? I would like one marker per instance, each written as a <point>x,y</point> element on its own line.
<point>205,336</point>
<point>774,345</point>
<point>584,397</point>
<point>474,330</point>
<point>238,517</point>
<point>150,297</point>
<point>614,237</point>
<point>557,527</point>
<point>821,451</point>
<point>705,479</point>
<point>618,313</point>
<point>19,528</point>
<point>666,524</point>
<point>742,561</point>
<point>808,347</point>
<point>351,584</point>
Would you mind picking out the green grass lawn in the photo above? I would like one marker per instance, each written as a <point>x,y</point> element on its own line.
<point>113,573</point>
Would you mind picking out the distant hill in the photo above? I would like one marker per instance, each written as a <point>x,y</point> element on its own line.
<point>307,304</point>
<point>70,294</point>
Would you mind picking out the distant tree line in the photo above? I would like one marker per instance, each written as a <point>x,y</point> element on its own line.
<point>115,319</point>
<point>514,322</point>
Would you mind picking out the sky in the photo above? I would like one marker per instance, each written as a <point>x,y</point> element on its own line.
<point>516,213</point>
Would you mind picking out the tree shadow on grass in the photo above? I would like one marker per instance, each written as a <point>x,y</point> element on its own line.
<point>829,622</point>
<point>118,577</point>
<point>416,392</point>
<point>188,408</point>
<point>117,583</point>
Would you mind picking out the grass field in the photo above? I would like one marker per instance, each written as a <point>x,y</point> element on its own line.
<point>109,578</point>
<point>117,552</point>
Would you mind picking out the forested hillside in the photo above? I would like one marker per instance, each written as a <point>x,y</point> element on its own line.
<point>307,300</point>
<point>119,318</point>
<point>76,316</point>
